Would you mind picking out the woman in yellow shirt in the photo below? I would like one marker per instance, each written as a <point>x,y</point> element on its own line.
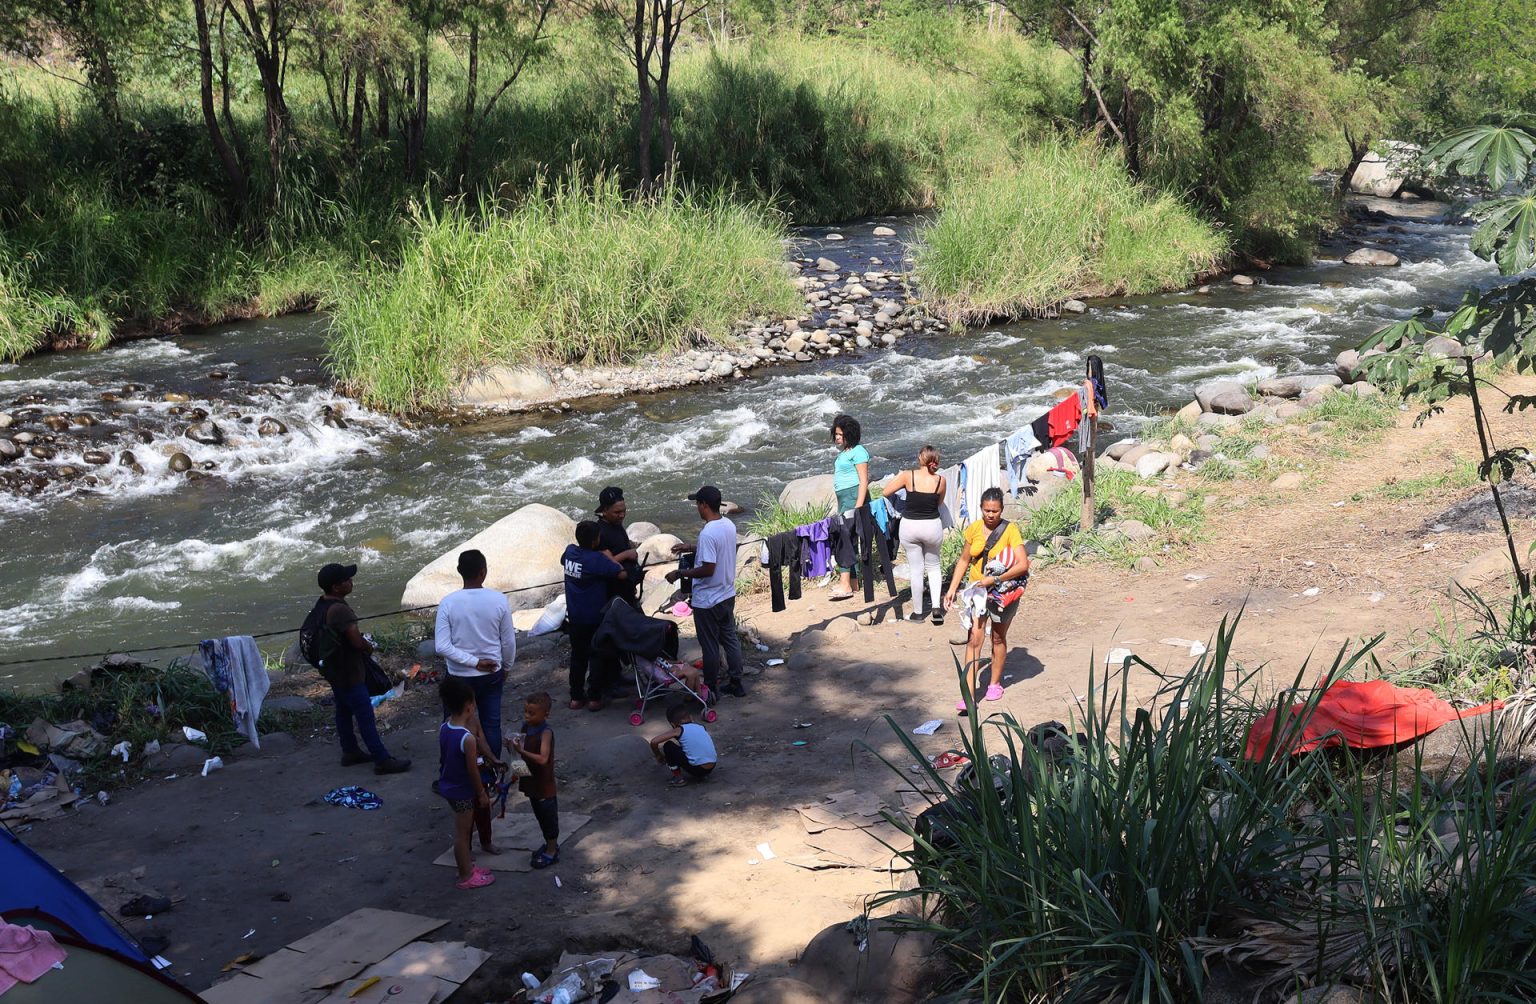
<point>997,567</point>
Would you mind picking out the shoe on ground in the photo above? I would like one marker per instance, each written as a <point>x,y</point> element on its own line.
<point>353,759</point>
<point>477,880</point>
<point>938,618</point>
<point>394,765</point>
<point>735,689</point>
<point>994,692</point>
<point>917,617</point>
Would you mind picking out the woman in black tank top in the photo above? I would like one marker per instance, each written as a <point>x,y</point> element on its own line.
<point>922,529</point>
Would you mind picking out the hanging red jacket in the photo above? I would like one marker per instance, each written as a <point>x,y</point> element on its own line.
<point>1363,715</point>
<point>1062,421</point>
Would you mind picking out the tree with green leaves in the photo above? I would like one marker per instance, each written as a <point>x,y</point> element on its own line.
<point>1492,330</point>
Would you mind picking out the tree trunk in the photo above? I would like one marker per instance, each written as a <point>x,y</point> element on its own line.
<point>233,173</point>
<point>381,101</point>
<point>102,75</point>
<point>359,106</point>
<point>664,113</point>
<point>1132,132</point>
<point>1090,109</point>
<point>416,132</point>
<point>1357,152</point>
<point>467,132</point>
<point>645,111</point>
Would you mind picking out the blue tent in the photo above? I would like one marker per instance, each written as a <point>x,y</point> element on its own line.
<point>102,958</point>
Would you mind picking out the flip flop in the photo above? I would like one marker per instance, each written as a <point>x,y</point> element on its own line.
<point>994,692</point>
<point>542,860</point>
<point>476,880</point>
<point>840,596</point>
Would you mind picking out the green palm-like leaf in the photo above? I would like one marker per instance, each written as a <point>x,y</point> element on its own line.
<point>1499,153</point>
<point>1507,235</point>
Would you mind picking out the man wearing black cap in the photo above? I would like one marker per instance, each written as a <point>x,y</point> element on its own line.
<point>615,543</point>
<point>344,670</point>
<point>714,592</point>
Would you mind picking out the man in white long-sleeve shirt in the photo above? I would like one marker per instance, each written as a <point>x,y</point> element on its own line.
<point>474,636</point>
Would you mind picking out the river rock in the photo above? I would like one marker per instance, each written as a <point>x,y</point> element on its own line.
<point>804,493</point>
<point>58,423</point>
<point>1134,453</point>
<point>1117,451</point>
<point>1289,410</point>
<point>1362,389</point>
<point>1211,420</point>
<point>86,420</point>
<point>884,232</point>
<point>1317,395</point>
<point>1074,307</point>
<point>522,552</point>
<point>1190,413</point>
<point>1181,444</point>
<point>723,368</point>
<point>1441,347</point>
<point>24,438</point>
<point>1371,256</point>
<point>180,463</point>
<point>821,337</point>
<point>1347,366</point>
<point>43,452</point>
<point>97,457</point>
<point>794,343</point>
<point>1224,397</point>
<point>826,265</point>
<point>176,398</point>
<point>271,427</point>
<point>1154,464</point>
<point>332,419</point>
<point>1242,280</point>
<point>9,451</point>
<point>897,966</point>
<point>207,433</point>
<point>1133,530</point>
<point>855,291</point>
<point>641,531</point>
<point>127,459</point>
<point>6,421</point>
<point>1295,386</point>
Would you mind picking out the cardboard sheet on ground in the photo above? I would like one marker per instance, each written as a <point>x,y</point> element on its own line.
<point>517,835</point>
<point>336,952</point>
<point>453,961</point>
<point>390,990</point>
<point>870,848</point>
<point>845,810</point>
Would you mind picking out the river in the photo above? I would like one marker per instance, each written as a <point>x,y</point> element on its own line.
<point>151,558</point>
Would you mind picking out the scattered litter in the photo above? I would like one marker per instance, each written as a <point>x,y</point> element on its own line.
<point>738,979</point>
<point>353,797</point>
<point>1376,597</point>
<point>774,662</point>
<point>249,933</point>
<point>343,861</point>
<point>1310,591</point>
<point>859,928</point>
<point>557,882</point>
<point>803,725</point>
<point>948,759</point>
<point>531,981</point>
<point>153,746</point>
<point>1439,528</point>
<point>1119,657</point>
<point>122,750</point>
<point>212,764</point>
<point>1341,503</point>
<point>103,797</point>
<point>1429,545</point>
<point>761,647</point>
<point>1195,577</point>
<point>799,742</point>
<point>929,727</point>
<point>753,861</point>
<point>640,980</point>
<point>194,735</point>
<point>1310,564</point>
<point>389,694</point>
<point>766,851</point>
<point>239,960</point>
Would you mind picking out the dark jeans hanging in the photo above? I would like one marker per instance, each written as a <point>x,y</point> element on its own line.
<point>874,551</point>
<point>783,550</point>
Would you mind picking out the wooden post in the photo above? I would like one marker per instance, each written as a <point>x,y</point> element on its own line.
<point>1092,419</point>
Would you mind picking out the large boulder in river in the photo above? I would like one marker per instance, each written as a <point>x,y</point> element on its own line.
<point>522,552</point>
<point>1224,397</point>
<point>1381,172</point>
<point>1295,386</point>
<point>804,493</point>
<point>1371,256</point>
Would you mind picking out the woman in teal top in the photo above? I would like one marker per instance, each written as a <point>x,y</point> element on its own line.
<point>850,479</point>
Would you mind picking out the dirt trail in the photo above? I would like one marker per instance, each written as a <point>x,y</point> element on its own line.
<point>655,864</point>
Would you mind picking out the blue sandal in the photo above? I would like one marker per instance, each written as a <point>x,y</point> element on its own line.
<point>542,859</point>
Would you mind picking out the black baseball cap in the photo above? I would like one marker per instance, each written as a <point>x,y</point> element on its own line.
<point>333,573</point>
<point>607,497</point>
<point>709,495</point>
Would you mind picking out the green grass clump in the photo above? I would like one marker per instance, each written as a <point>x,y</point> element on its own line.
<point>771,516</point>
<point>573,273</point>
<point>1463,474</point>
<point>1061,515</point>
<point>1122,860</point>
<point>1062,219</point>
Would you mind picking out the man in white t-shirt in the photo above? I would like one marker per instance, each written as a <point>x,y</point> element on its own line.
<point>714,592</point>
<point>475,638</point>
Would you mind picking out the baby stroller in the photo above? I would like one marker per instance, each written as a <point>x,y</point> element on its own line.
<point>646,647</point>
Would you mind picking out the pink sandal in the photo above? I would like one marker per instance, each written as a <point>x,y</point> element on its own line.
<point>476,880</point>
<point>995,692</point>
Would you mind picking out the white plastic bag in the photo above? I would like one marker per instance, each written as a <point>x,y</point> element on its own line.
<point>551,619</point>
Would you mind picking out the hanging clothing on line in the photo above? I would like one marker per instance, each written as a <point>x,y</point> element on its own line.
<point>1086,424</point>
<point>1053,428</point>
<point>949,505</point>
<point>982,470</point>
<point>1100,388</point>
<point>784,552</point>
<point>876,549</point>
<point>1018,447</point>
<point>840,535</point>
<point>815,547</point>
<point>883,514</point>
<point>236,668</point>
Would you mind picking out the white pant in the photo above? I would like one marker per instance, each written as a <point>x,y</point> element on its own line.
<point>922,539</point>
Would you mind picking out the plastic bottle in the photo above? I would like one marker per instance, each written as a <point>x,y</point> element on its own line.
<point>531,981</point>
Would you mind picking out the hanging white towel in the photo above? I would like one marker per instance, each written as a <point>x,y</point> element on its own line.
<point>983,470</point>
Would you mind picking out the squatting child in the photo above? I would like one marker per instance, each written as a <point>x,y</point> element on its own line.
<point>535,740</point>
<point>458,777</point>
<point>686,747</point>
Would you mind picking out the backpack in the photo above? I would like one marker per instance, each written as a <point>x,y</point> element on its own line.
<point>317,642</point>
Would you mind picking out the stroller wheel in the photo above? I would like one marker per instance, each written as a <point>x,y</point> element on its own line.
<point>709,715</point>
<point>636,719</point>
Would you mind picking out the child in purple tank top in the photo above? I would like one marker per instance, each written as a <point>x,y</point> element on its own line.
<point>458,778</point>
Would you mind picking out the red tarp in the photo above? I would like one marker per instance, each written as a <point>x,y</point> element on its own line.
<point>1373,713</point>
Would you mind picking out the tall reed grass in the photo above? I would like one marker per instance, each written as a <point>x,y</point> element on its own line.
<point>572,273</point>
<point>1061,220</point>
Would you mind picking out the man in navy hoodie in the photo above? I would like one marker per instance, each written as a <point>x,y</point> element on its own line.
<point>587,574</point>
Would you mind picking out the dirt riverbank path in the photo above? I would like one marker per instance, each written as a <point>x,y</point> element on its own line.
<point>254,849</point>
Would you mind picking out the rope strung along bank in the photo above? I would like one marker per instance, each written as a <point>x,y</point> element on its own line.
<point>293,630</point>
